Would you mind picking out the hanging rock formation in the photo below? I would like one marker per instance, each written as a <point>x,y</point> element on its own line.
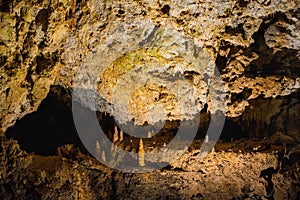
<point>49,49</point>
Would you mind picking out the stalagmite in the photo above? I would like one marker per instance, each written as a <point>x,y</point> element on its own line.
<point>98,150</point>
<point>206,139</point>
<point>149,134</point>
<point>116,135</point>
<point>141,154</point>
<point>113,150</point>
<point>121,135</point>
<point>103,157</point>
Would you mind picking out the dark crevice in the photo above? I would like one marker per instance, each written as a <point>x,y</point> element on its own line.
<point>43,131</point>
<point>257,121</point>
<point>114,181</point>
<point>69,14</point>
<point>52,126</point>
<point>284,62</point>
<point>258,37</point>
<point>42,19</point>
<point>45,63</point>
<point>267,174</point>
<point>11,68</point>
<point>5,5</point>
<point>3,59</point>
<point>243,3</point>
<point>223,60</point>
<point>269,63</point>
<point>180,21</point>
<point>166,9</point>
<point>79,5</point>
<point>236,30</point>
<point>232,131</point>
<point>238,97</point>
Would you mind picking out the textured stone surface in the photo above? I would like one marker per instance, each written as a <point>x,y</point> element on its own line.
<point>255,45</point>
<point>73,175</point>
<point>59,43</point>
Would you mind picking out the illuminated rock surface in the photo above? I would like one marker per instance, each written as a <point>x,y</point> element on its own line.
<point>48,49</point>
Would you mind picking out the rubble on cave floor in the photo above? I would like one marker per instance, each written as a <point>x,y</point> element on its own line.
<point>230,172</point>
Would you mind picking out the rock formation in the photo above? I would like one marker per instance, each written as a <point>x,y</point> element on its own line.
<point>148,62</point>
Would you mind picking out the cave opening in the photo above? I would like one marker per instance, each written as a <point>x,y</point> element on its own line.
<point>232,131</point>
<point>46,129</point>
<point>52,126</point>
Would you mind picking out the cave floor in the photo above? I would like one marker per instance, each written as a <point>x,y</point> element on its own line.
<point>241,169</point>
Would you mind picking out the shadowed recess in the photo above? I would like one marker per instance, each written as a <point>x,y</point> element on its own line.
<point>52,126</point>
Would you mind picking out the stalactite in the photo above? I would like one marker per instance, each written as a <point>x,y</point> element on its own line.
<point>116,135</point>
<point>206,139</point>
<point>141,154</point>
<point>98,150</point>
<point>121,135</point>
<point>103,157</point>
<point>113,150</point>
<point>73,7</point>
<point>261,116</point>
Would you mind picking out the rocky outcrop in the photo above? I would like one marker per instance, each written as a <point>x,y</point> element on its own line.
<point>73,175</point>
<point>253,44</point>
<point>147,62</point>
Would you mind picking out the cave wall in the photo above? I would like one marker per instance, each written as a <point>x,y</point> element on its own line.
<point>255,46</point>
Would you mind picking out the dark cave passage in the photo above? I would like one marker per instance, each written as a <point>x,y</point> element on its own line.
<point>232,131</point>
<point>52,126</point>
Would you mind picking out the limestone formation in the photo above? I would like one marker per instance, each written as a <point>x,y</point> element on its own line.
<point>98,150</point>
<point>116,135</point>
<point>141,153</point>
<point>44,44</point>
<point>136,61</point>
<point>103,156</point>
<point>121,135</point>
